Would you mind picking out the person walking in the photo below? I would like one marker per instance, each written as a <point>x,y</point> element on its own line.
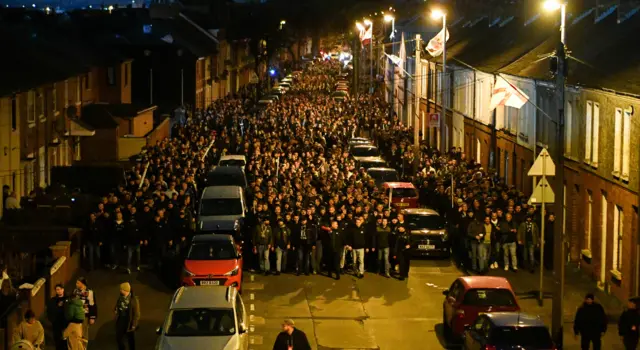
<point>56,316</point>
<point>127,312</point>
<point>590,323</point>
<point>282,242</point>
<point>132,241</point>
<point>87,298</point>
<point>291,338</point>
<point>30,330</point>
<point>629,325</point>
<point>382,244</point>
<point>262,243</point>
<point>357,241</point>
<point>335,247</point>
<point>403,252</point>
<point>74,313</point>
<point>303,240</point>
<point>528,238</point>
<point>509,239</point>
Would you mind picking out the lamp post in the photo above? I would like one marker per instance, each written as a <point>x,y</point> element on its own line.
<point>558,237</point>
<point>368,22</point>
<point>389,18</point>
<point>392,19</point>
<point>438,14</point>
<point>282,23</point>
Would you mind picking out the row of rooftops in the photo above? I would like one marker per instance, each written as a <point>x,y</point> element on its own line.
<point>603,46</point>
<point>44,48</point>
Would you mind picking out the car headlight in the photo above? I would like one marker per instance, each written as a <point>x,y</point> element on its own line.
<point>233,272</point>
<point>187,272</point>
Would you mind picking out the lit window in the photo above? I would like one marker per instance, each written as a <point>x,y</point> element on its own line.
<point>618,219</point>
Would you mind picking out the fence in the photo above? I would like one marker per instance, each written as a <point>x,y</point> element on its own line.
<point>65,258</point>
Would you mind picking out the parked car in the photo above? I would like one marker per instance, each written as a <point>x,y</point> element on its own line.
<point>471,296</point>
<point>429,234</point>
<point>237,160</point>
<point>360,151</point>
<point>213,260</point>
<point>222,210</point>
<point>355,141</point>
<point>507,330</point>
<point>208,317</point>
<point>381,175</point>
<point>401,195</point>
<point>227,176</point>
<point>370,162</point>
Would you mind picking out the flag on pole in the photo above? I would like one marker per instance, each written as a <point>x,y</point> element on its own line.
<point>506,94</point>
<point>402,56</point>
<point>366,35</point>
<point>436,44</point>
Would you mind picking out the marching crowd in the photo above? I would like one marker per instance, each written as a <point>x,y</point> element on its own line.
<point>312,210</point>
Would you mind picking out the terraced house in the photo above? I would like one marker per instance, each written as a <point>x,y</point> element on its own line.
<point>602,176</point>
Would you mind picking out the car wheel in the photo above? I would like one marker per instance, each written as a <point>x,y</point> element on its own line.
<point>446,328</point>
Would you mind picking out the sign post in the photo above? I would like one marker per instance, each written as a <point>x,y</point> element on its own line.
<point>543,166</point>
<point>434,120</point>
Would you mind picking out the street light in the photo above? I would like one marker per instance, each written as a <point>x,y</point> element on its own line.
<point>437,14</point>
<point>282,23</point>
<point>359,26</point>
<point>558,237</point>
<point>390,18</point>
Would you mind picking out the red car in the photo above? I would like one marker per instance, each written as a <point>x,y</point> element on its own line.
<point>402,195</point>
<point>213,260</point>
<point>471,296</point>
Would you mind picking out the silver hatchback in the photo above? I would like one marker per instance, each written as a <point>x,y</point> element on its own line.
<point>205,317</point>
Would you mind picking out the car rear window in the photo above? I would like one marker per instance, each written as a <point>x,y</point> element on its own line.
<point>430,222</point>
<point>364,151</point>
<point>222,250</point>
<point>524,337</point>
<point>200,322</point>
<point>232,162</point>
<point>489,297</point>
<point>384,175</point>
<point>405,192</point>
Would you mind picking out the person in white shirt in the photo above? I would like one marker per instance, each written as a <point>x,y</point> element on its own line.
<point>12,202</point>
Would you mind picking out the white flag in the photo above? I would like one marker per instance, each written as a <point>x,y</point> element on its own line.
<point>394,59</point>
<point>505,94</point>
<point>366,36</point>
<point>436,44</point>
<point>403,56</point>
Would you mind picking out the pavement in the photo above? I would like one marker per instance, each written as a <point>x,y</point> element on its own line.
<point>369,313</point>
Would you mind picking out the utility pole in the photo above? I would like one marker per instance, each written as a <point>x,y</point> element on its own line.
<point>416,107</point>
<point>443,115</point>
<point>356,64</point>
<point>558,237</point>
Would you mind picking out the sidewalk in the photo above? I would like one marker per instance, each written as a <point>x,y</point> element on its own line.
<point>526,286</point>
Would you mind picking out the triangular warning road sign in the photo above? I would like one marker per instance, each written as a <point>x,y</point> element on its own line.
<point>543,166</point>
<point>542,192</point>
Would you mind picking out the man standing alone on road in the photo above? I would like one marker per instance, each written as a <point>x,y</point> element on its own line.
<point>127,311</point>
<point>291,338</point>
<point>590,323</point>
<point>629,325</point>
<point>262,242</point>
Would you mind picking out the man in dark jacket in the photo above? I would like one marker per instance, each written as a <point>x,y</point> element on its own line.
<point>303,239</point>
<point>291,338</point>
<point>403,252</point>
<point>382,244</point>
<point>282,242</point>
<point>55,314</point>
<point>94,238</point>
<point>590,323</point>
<point>357,241</point>
<point>629,326</point>
<point>335,247</point>
<point>132,241</point>
<point>509,233</point>
<point>262,243</point>
<point>127,311</point>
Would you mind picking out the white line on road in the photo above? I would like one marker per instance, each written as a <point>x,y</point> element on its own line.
<point>253,277</point>
<point>252,307</point>
<point>252,296</point>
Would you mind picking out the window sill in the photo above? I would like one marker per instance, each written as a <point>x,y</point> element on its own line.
<point>42,119</point>
<point>617,275</point>
<point>32,124</point>
<point>586,253</point>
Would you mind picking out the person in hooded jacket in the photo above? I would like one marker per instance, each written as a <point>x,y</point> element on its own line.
<point>403,252</point>
<point>303,239</point>
<point>590,323</point>
<point>282,242</point>
<point>629,325</point>
<point>382,244</point>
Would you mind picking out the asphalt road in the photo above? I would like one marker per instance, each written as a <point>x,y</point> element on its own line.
<point>369,313</point>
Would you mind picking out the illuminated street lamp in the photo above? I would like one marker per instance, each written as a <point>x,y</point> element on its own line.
<point>359,26</point>
<point>390,18</point>
<point>554,5</point>
<point>437,14</point>
<point>282,23</point>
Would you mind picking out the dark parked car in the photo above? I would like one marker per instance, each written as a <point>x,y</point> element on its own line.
<point>429,235</point>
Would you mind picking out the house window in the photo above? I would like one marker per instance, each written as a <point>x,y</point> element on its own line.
<point>31,106</point>
<point>111,76</point>
<point>87,81</point>
<point>41,102</point>
<point>506,168</point>
<point>66,93</point>
<point>617,143</point>
<point>589,219</point>
<point>626,144</point>
<point>78,90</point>
<point>511,119</point>
<point>564,209</point>
<point>618,219</point>
<point>478,151</point>
<point>54,99</point>
<point>423,80</point>
<point>568,113</point>
<point>126,74</point>
<point>14,113</point>
<point>591,138</point>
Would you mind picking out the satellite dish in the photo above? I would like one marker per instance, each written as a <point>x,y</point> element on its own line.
<point>72,112</point>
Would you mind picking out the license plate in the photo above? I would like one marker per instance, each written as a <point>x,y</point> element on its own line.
<point>426,246</point>
<point>209,283</point>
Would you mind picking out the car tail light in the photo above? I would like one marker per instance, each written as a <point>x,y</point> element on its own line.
<point>490,347</point>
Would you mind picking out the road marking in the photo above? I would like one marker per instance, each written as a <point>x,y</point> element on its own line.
<point>251,318</point>
<point>255,340</point>
<point>253,286</point>
<point>252,328</point>
<point>252,296</point>
<point>253,278</point>
<point>252,307</point>
<point>257,320</point>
